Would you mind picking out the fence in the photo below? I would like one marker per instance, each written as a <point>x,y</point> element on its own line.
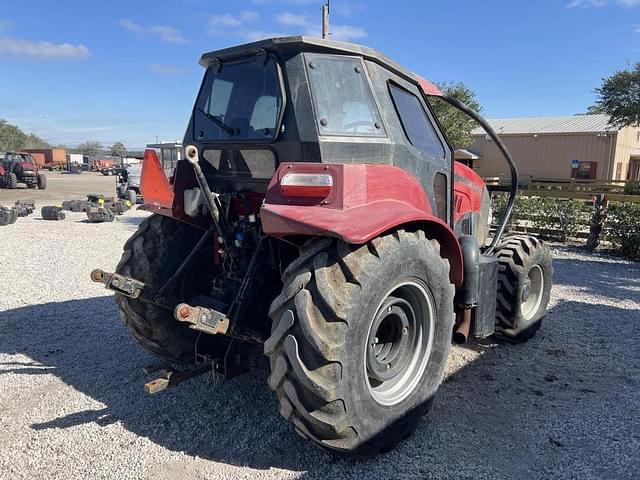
<point>565,188</point>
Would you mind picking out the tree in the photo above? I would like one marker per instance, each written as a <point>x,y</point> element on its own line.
<point>11,137</point>
<point>619,97</point>
<point>593,110</point>
<point>34,141</point>
<point>90,148</point>
<point>118,149</point>
<point>456,124</point>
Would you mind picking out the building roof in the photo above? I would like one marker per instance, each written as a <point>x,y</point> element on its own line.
<point>565,124</point>
<point>464,154</point>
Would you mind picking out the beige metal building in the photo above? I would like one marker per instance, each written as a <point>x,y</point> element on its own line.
<point>578,146</point>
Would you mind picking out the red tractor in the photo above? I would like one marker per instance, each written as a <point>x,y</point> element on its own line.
<point>21,168</point>
<point>319,219</point>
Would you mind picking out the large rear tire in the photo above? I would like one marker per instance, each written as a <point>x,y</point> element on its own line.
<point>525,278</point>
<point>152,255</point>
<point>360,338</point>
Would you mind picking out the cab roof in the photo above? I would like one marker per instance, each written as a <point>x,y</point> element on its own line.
<point>305,44</point>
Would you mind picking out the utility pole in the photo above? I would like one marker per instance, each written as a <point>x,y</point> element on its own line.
<point>325,20</point>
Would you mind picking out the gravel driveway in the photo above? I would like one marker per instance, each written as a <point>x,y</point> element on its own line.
<point>564,405</point>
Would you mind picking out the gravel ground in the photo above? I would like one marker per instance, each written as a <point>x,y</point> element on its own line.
<point>61,186</point>
<point>564,405</point>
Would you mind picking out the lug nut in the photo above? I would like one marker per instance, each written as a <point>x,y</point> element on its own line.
<point>405,330</point>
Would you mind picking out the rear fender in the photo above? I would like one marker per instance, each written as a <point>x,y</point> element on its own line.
<point>365,202</point>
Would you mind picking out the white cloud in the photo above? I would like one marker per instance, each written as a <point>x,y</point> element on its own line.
<point>225,20</point>
<point>167,34</point>
<point>347,32</point>
<point>131,26</point>
<point>347,9</point>
<point>240,26</point>
<point>292,19</point>
<point>291,2</point>
<point>5,25</point>
<point>165,69</point>
<point>602,3</point>
<point>586,4</point>
<point>233,25</point>
<point>312,28</point>
<point>41,49</point>
<point>249,16</point>
<point>254,35</point>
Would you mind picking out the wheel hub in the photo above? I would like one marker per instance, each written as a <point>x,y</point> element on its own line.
<point>399,342</point>
<point>532,292</point>
<point>389,339</point>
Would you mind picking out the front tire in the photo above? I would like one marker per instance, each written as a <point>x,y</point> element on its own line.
<point>360,338</point>
<point>42,181</point>
<point>525,278</point>
<point>12,181</point>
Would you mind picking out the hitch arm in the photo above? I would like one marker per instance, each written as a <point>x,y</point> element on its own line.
<point>127,286</point>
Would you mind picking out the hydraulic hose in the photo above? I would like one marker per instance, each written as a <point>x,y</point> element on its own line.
<point>513,191</point>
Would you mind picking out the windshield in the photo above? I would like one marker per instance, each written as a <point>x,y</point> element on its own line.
<point>239,102</point>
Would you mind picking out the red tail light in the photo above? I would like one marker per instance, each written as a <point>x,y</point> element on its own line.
<point>307,185</point>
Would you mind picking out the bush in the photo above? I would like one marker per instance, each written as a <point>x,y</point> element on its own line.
<point>623,227</point>
<point>632,188</point>
<point>566,216</point>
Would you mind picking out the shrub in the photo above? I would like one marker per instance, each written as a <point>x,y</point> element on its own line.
<point>565,216</point>
<point>632,188</point>
<point>623,227</point>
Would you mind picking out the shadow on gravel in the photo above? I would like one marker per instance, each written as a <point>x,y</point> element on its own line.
<point>542,409</point>
<point>611,279</point>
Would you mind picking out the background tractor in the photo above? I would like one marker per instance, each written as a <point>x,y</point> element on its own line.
<point>319,219</point>
<point>18,168</point>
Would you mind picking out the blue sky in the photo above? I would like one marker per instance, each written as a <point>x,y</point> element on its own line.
<point>74,70</point>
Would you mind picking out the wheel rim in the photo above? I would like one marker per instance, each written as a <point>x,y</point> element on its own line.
<point>532,292</point>
<point>399,342</point>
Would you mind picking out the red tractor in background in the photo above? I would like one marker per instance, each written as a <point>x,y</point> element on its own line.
<point>18,168</point>
<point>319,219</point>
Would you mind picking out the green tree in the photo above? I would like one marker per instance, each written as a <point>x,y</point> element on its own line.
<point>11,137</point>
<point>34,141</point>
<point>619,97</point>
<point>456,124</point>
<point>118,149</point>
<point>90,148</point>
<point>593,110</point>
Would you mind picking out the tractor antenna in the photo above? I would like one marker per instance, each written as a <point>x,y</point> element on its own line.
<point>325,20</point>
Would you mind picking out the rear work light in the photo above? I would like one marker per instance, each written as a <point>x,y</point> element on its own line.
<point>307,185</point>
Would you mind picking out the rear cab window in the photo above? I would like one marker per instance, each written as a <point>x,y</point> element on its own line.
<point>342,97</point>
<point>240,101</point>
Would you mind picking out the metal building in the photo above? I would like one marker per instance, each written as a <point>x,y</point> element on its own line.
<point>577,146</point>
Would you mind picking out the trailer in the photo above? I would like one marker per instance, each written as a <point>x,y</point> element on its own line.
<point>48,158</point>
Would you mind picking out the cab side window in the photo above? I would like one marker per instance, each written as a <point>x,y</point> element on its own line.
<point>415,122</point>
